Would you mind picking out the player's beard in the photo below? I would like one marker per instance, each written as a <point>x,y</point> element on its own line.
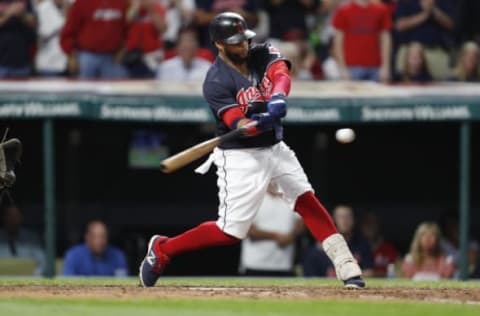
<point>235,58</point>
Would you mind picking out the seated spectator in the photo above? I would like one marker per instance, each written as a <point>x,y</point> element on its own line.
<point>18,242</point>
<point>144,44</point>
<point>468,64</point>
<point>476,271</point>
<point>451,243</point>
<point>95,257</point>
<point>93,38</point>
<point>187,66</point>
<point>362,41</point>
<point>426,259</point>
<point>316,262</point>
<point>17,38</point>
<point>384,253</point>
<point>415,67</point>
<point>429,22</point>
<point>50,60</point>
<point>269,248</point>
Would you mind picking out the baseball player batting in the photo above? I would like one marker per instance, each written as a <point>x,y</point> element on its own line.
<point>250,82</point>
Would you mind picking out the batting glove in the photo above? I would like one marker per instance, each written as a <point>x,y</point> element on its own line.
<point>277,105</point>
<point>265,121</point>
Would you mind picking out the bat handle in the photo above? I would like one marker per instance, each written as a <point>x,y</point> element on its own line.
<point>237,132</point>
<point>249,125</point>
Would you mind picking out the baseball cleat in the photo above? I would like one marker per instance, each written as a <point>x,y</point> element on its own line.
<point>354,283</point>
<point>154,263</point>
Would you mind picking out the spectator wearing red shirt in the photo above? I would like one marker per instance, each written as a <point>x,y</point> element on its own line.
<point>144,38</point>
<point>93,35</point>
<point>384,253</point>
<point>362,40</point>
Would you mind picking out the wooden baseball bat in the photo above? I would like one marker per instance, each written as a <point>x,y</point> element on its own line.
<point>191,154</point>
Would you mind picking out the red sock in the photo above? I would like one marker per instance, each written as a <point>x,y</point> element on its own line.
<point>315,216</point>
<point>207,234</point>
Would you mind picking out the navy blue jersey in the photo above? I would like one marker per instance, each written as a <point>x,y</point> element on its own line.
<point>224,88</point>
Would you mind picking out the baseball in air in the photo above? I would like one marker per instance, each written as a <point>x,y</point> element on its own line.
<point>345,135</point>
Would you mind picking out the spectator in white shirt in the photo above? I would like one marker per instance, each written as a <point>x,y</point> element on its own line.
<point>50,59</point>
<point>269,249</point>
<point>186,66</point>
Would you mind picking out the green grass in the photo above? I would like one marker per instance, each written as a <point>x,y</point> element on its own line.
<point>70,307</point>
<point>227,307</point>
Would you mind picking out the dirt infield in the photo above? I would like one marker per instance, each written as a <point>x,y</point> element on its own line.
<point>450,295</point>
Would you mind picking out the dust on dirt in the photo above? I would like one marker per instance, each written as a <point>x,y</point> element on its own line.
<point>425,294</point>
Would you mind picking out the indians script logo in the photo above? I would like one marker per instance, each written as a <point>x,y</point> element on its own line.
<point>251,94</point>
<point>247,96</point>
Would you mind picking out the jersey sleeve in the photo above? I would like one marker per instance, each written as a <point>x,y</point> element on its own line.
<point>219,97</point>
<point>264,55</point>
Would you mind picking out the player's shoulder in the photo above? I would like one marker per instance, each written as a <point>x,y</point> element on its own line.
<point>217,73</point>
<point>217,76</point>
<point>265,48</point>
<point>262,53</point>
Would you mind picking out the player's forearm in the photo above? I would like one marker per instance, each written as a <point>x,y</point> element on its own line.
<point>279,75</point>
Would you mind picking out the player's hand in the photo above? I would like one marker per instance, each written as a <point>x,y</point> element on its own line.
<point>277,106</point>
<point>265,121</point>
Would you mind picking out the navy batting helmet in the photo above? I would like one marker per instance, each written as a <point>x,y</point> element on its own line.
<point>229,28</point>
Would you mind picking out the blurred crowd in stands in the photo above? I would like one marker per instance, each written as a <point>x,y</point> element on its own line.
<point>277,245</point>
<point>402,41</point>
